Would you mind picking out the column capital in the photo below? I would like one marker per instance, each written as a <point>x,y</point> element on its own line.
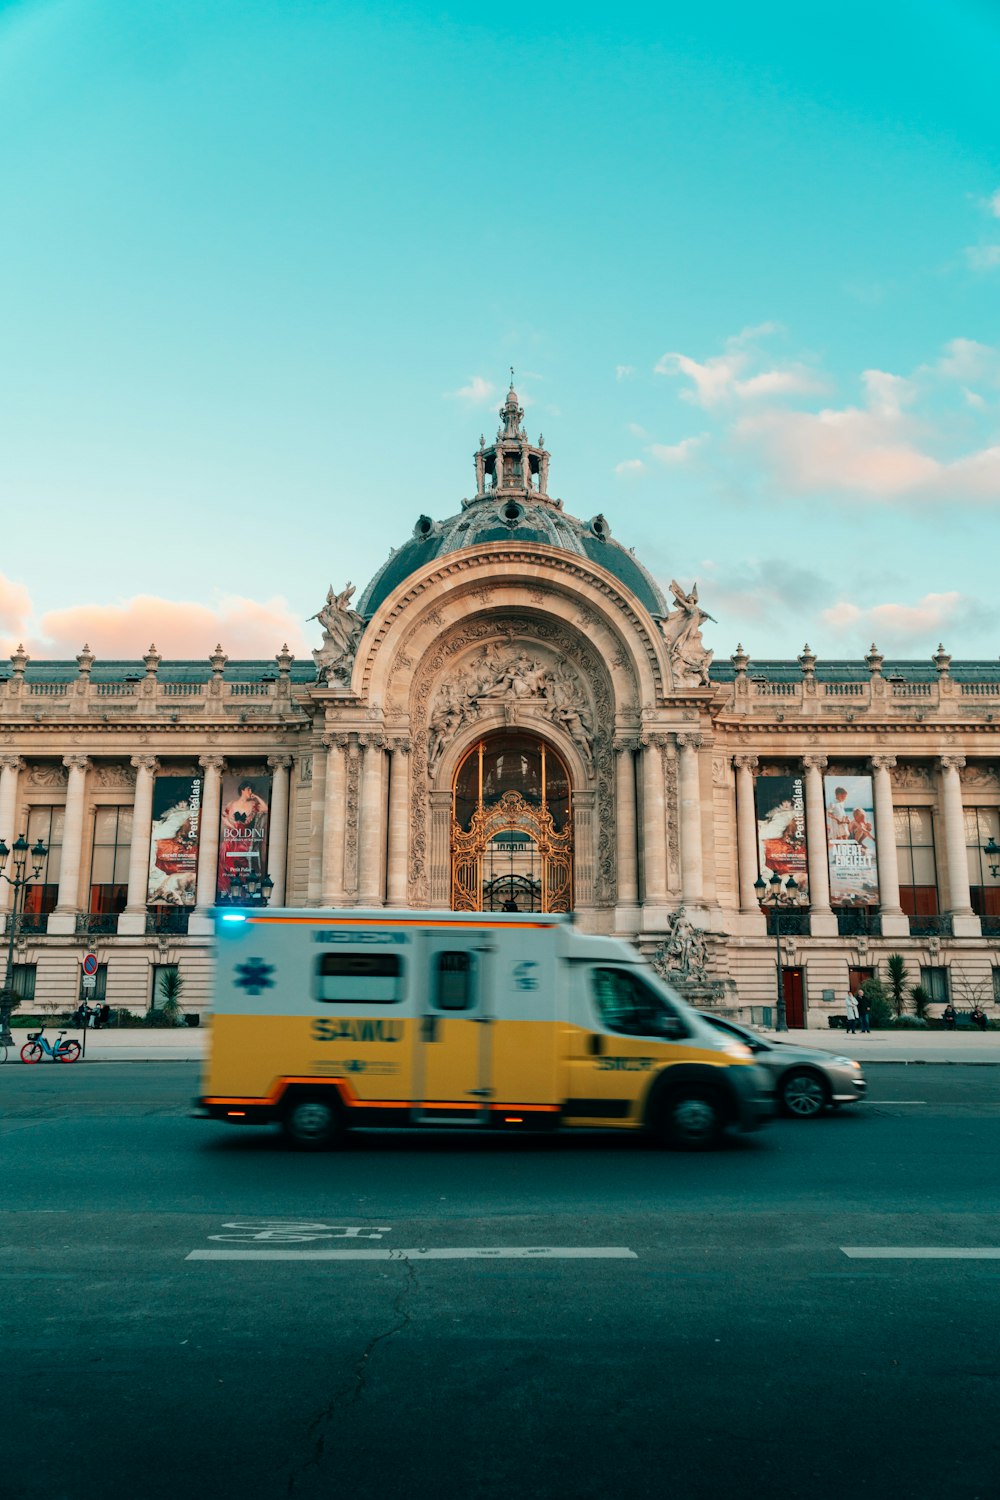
<point>334,742</point>
<point>279,762</point>
<point>373,741</point>
<point>82,762</point>
<point>401,746</point>
<point>626,745</point>
<point>882,762</point>
<point>746,762</point>
<point>815,762</point>
<point>145,763</point>
<point>653,739</point>
<point>12,763</point>
<point>689,741</point>
<point>951,762</point>
<point>212,762</point>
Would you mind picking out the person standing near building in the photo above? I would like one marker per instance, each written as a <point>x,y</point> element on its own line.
<point>864,1009</point>
<point>851,1012</point>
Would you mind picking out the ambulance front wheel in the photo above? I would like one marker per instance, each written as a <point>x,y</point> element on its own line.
<point>312,1123</point>
<point>691,1119</point>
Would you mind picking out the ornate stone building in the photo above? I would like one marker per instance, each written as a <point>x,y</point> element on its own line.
<point>513,713</point>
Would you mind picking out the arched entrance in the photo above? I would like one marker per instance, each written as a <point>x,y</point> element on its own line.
<point>512,831</point>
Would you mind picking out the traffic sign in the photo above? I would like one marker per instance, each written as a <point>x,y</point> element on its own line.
<point>90,964</point>
<point>89,982</point>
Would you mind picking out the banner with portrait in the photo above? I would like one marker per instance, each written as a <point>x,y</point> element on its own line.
<point>850,840</point>
<point>173,847</point>
<point>781,830</point>
<point>245,824</point>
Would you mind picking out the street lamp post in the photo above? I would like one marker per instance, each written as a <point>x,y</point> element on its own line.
<point>19,882</point>
<point>992,852</point>
<point>249,889</point>
<point>774,895</point>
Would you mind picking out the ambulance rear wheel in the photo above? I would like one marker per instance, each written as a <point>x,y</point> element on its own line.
<point>691,1119</point>
<point>312,1123</point>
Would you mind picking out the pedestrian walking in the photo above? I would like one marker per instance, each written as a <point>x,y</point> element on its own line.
<point>851,1012</point>
<point>864,1009</point>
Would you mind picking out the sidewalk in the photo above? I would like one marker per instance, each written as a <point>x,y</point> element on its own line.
<point>189,1044</point>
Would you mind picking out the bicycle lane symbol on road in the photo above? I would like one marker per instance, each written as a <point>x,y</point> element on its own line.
<point>293,1232</point>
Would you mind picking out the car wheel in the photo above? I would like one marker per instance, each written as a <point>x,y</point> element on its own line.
<point>691,1120</point>
<point>312,1123</point>
<point>803,1094</point>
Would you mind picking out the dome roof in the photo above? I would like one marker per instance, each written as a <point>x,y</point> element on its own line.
<point>518,520</point>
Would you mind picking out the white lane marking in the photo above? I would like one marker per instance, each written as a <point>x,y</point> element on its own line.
<point>464,1252</point>
<point>918,1252</point>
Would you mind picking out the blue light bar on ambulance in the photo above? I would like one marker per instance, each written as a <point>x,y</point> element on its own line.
<point>233,916</point>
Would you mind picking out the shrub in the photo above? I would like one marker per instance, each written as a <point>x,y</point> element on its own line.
<point>921,1002</point>
<point>125,1017</point>
<point>896,967</point>
<point>881,1010</point>
<point>162,1017</point>
<point>909,1023</point>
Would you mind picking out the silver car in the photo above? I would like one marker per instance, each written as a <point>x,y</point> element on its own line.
<point>805,1079</point>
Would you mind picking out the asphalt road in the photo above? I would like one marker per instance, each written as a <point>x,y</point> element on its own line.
<point>722,1342</point>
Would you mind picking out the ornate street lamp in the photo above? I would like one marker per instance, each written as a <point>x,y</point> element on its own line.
<point>19,882</point>
<point>249,889</point>
<point>992,852</point>
<point>776,894</point>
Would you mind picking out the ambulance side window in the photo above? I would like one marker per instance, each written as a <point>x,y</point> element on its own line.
<point>454,982</point>
<point>358,979</point>
<point>625,1003</point>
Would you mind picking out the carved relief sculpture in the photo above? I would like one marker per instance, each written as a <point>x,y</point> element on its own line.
<point>684,953</point>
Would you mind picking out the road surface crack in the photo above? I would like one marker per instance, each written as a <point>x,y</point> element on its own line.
<point>352,1391</point>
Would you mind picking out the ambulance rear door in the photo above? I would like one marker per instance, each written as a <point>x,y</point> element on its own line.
<point>453,1057</point>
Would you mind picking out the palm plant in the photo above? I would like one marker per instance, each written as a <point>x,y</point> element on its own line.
<point>171,983</point>
<point>921,1001</point>
<point>898,979</point>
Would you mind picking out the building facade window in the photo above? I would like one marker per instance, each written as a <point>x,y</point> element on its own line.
<point>918,893</point>
<point>996,984</point>
<point>109,860</point>
<point>934,979</point>
<point>982,824</point>
<point>45,823</point>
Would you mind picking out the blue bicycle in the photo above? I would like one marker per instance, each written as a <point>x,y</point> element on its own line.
<point>38,1046</point>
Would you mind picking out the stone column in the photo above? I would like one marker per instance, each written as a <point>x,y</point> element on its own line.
<point>964,922</point>
<point>692,876</point>
<point>10,767</point>
<point>822,919</point>
<point>397,869</point>
<point>625,813</point>
<point>277,846</point>
<point>372,834</point>
<point>746,832</point>
<point>63,918</point>
<point>894,922</point>
<point>208,842</point>
<point>440,817</point>
<point>317,806</point>
<point>654,832</point>
<point>333,821</point>
<point>133,918</point>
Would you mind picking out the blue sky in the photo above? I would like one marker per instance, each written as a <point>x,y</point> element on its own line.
<point>264,267</point>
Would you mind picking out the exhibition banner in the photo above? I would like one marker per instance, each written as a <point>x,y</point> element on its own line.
<point>173,847</point>
<point>781,830</point>
<point>246,806</point>
<point>850,838</point>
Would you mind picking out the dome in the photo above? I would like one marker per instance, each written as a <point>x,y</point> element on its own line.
<point>515,519</point>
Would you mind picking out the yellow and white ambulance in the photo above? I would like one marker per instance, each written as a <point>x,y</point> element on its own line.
<point>325,1019</point>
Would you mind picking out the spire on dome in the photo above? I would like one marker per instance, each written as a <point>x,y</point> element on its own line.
<point>511,465</point>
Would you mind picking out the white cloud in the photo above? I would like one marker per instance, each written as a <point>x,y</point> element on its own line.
<point>677,453</point>
<point>983,257</point>
<point>993,204</point>
<point>622,372</point>
<point>887,394</point>
<point>730,376</point>
<point>902,626</point>
<point>970,362</point>
<point>15,612</point>
<point>631,467</point>
<point>637,431</point>
<point>478,392</point>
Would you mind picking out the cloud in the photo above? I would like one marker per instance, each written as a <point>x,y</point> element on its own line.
<point>245,627</point>
<point>15,612</point>
<point>905,626</point>
<point>983,257</point>
<point>637,431</point>
<point>992,204</point>
<point>631,467</point>
<point>478,392</point>
<point>970,363</point>
<point>677,453</point>
<point>761,590</point>
<point>622,372</point>
<point>727,376</point>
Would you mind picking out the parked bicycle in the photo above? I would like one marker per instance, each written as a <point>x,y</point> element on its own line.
<point>38,1046</point>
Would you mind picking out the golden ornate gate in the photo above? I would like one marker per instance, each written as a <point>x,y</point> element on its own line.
<point>538,847</point>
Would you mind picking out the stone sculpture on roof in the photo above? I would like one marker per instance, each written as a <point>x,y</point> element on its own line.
<point>689,656</point>
<point>342,630</point>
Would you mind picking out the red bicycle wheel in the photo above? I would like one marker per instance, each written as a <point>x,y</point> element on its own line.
<point>68,1051</point>
<point>31,1052</point>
